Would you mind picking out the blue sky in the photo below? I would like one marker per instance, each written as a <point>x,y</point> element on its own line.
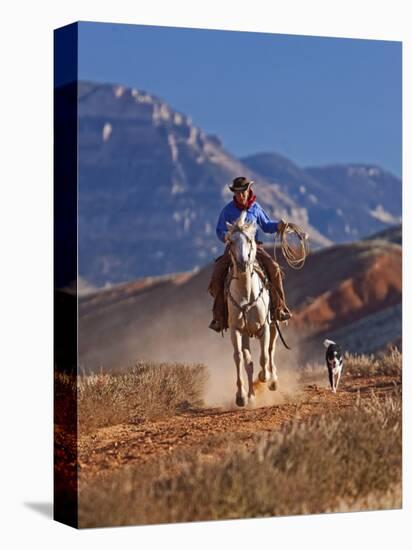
<point>314,100</point>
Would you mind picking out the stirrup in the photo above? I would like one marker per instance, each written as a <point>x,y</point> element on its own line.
<point>284,315</point>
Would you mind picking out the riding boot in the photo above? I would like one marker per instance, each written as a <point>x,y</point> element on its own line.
<point>216,289</point>
<point>279,309</point>
<point>219,321</point>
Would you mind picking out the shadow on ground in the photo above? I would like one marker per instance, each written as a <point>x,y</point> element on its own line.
<point>43,508</point>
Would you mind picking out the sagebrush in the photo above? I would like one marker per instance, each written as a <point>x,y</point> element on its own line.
<point>147,390</point>
<point>329,463</point>
<point>389,364</point>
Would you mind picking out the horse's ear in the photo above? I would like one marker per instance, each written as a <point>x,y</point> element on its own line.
<point>242,218</point>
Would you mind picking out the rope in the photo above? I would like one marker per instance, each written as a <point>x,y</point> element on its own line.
<point>295,258</point>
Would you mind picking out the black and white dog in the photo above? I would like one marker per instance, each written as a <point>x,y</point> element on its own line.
<point>334,362</point>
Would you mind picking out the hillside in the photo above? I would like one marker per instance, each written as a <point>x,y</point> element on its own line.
<point>338,287</point>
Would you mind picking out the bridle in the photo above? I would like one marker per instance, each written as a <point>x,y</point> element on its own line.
<point>238,264</point>
<point>246,307</point>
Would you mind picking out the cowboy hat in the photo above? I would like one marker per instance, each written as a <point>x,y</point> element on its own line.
<point>240,184</point>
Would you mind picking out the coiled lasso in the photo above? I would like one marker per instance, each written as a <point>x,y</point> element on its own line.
<point>295,258</point>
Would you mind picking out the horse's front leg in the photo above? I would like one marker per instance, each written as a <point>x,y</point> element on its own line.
<point>273,385</point>
<point>264,354</point>
<point>241,397</point>
<point>247,356</point>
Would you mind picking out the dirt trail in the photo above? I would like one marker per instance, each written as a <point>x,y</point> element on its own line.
<point>103,451</point>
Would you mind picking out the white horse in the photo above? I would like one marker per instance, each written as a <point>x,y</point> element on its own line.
<point>249,311</point>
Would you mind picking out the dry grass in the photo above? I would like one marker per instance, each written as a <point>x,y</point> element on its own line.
<point>354,365</point>
<point>347,461</point>
<point>388,500</point>
<point>147,390</point>
<point>328,464</point>
<point>389,364</point>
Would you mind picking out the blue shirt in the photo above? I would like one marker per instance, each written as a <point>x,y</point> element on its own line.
<point>255,213</point>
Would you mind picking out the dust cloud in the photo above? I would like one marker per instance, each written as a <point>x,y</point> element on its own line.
<point>221,388</point>
<point>172,326</point>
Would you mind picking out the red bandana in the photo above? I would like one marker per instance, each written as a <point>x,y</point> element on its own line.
<point>250,200</point>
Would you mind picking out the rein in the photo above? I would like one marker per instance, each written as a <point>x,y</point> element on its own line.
<point>281,336</point>
<point>291,258</point>
<point>249,240</point>
<point>245,308</point>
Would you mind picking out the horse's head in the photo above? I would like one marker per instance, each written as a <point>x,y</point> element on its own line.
<point>241,238</point>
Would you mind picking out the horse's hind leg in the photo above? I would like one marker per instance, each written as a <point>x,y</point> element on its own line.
<point>241,396</point>
<point>247,356</point>
<point>273,384</point>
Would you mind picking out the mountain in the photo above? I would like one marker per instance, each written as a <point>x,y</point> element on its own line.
<point>391,235</point>
<point>151,186</point>
<point>348,292</point>
<point>344,202</point>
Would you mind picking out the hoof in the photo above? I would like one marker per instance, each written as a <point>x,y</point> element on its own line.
<point>241,400</point>
<point>251,404</point>
<point>262,377</point>
<point>273,386</point>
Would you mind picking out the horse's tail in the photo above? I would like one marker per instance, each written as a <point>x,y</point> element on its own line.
<point>281,336</point>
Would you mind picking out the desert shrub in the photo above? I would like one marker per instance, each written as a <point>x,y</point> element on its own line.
<point>326,464</point>
<point>147,390</point>
<point>389,364</point>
